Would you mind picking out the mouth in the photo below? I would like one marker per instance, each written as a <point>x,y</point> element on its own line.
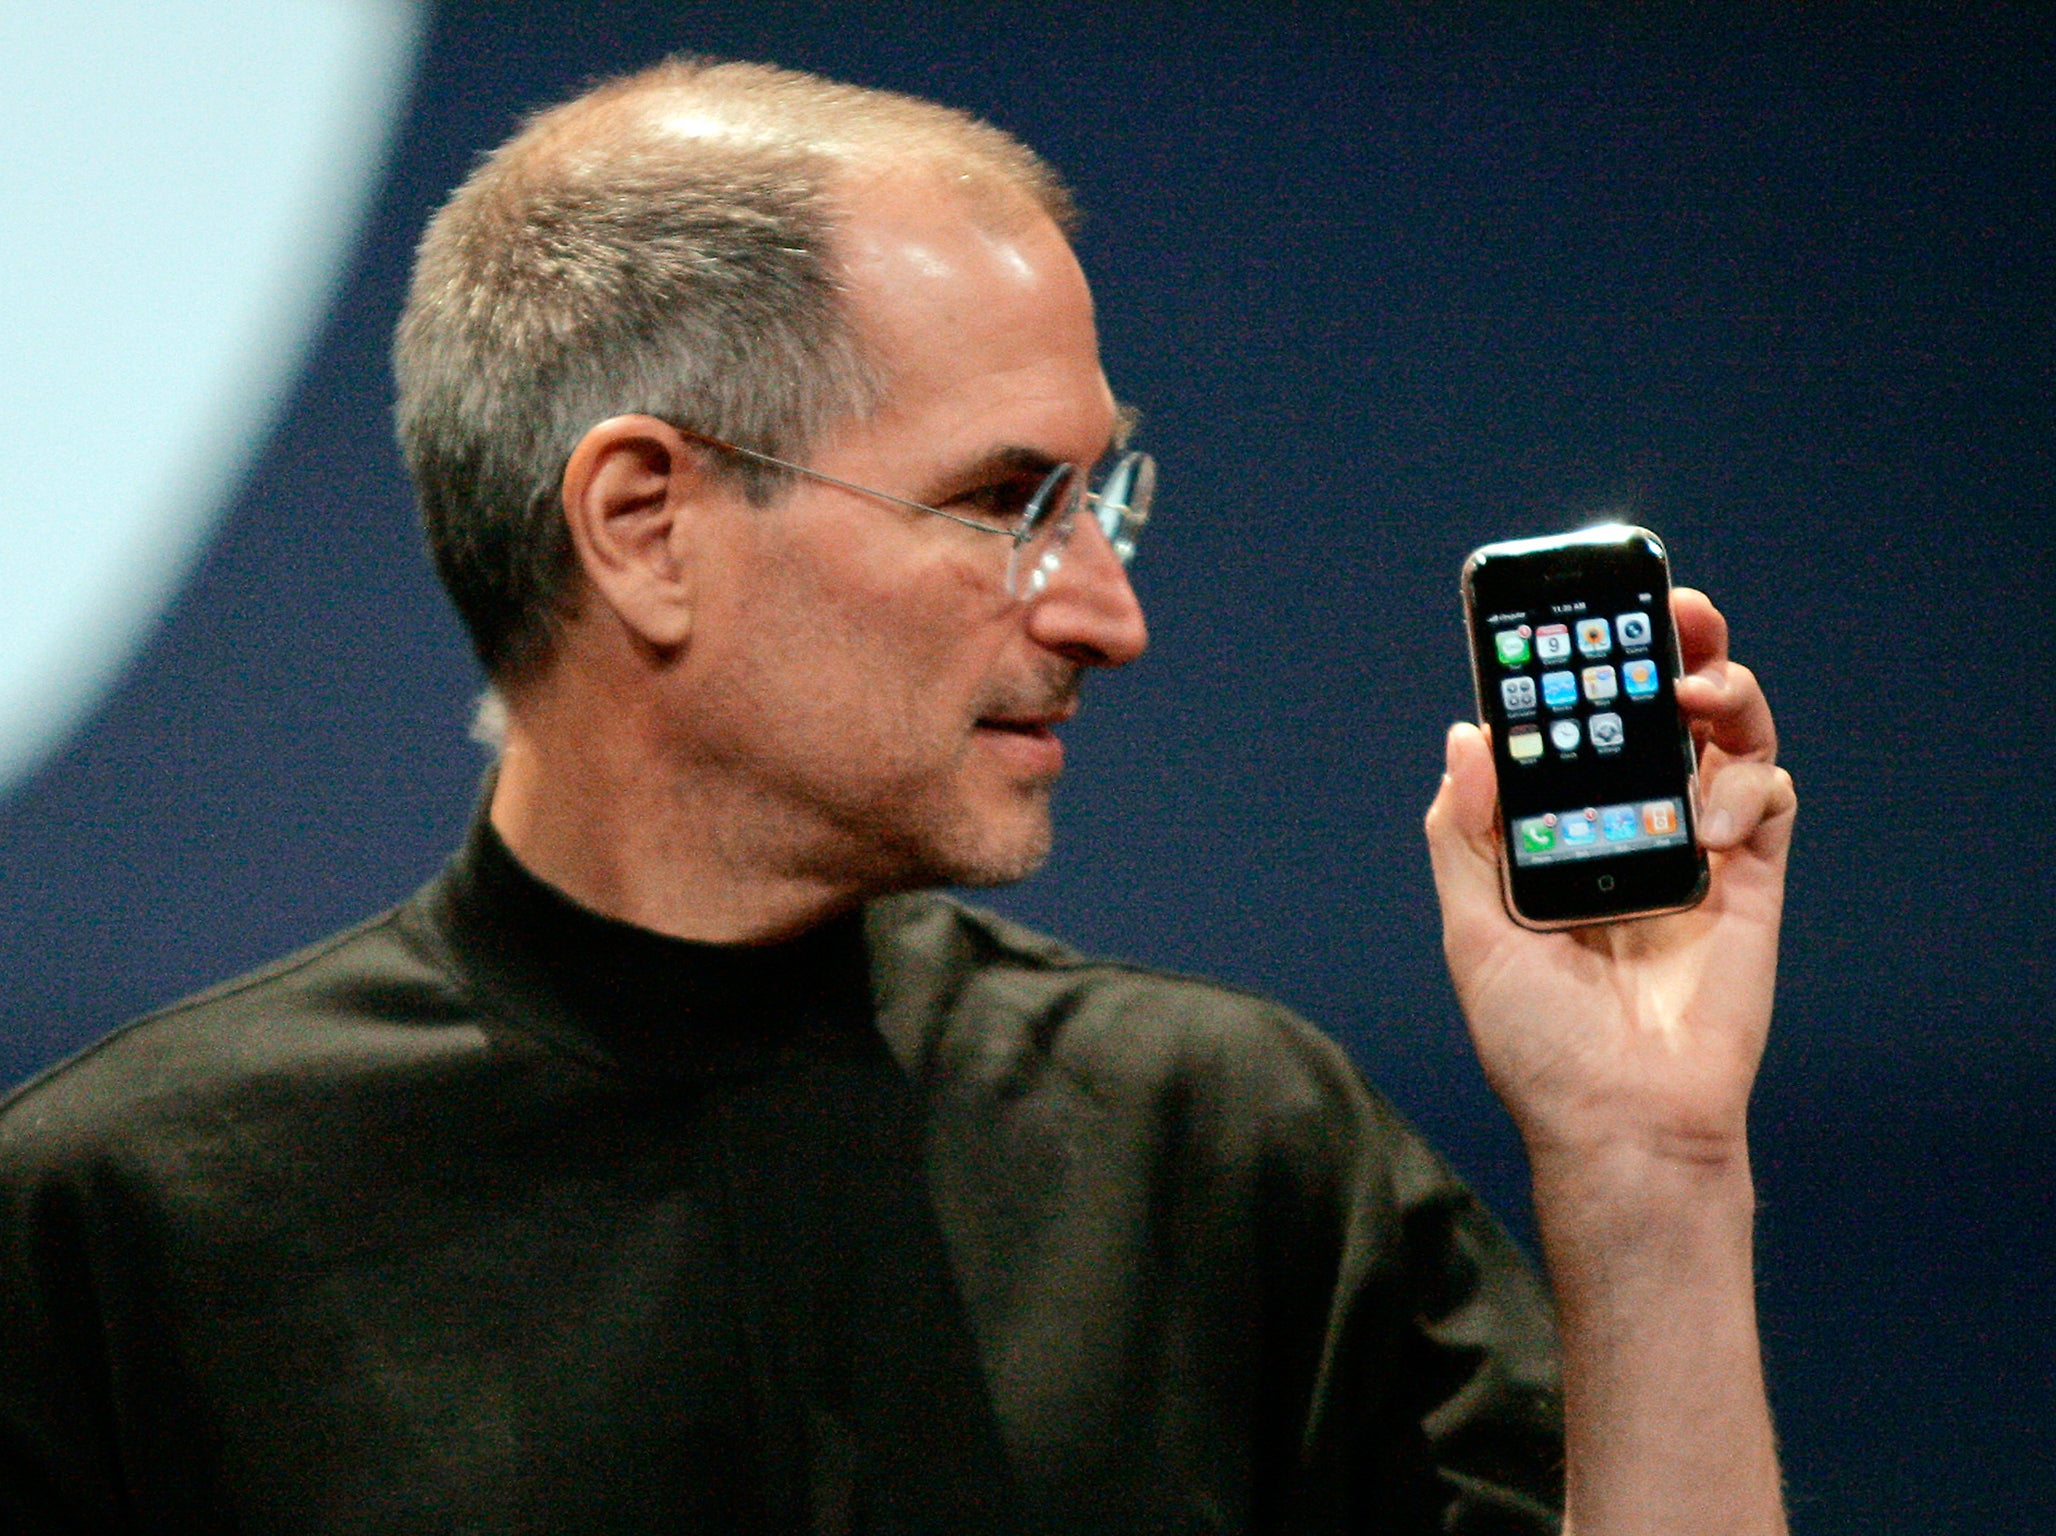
<point>1037,723</point>
<point>1029,736</point>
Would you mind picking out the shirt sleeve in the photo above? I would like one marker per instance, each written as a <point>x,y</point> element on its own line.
<point>1438,1404</point>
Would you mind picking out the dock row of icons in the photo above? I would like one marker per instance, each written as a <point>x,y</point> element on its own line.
<point>1552,642</point>
<point>1567,834</point>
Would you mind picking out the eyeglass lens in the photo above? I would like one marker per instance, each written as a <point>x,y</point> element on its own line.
<point>1120,502</point>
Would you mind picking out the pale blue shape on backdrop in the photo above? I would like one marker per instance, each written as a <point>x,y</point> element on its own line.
<point>182,182</point>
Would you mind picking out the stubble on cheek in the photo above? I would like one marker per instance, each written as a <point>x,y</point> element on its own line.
<point>862,732</point>
<point>951,820</point>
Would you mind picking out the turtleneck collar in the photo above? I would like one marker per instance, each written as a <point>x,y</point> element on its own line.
<point>643,1001</point>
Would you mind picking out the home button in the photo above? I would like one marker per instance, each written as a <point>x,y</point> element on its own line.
<point>1606,882</point>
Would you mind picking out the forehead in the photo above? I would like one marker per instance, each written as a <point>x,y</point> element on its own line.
<point>976,311</point>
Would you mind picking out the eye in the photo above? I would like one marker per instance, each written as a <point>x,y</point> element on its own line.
<point>1003,502</point>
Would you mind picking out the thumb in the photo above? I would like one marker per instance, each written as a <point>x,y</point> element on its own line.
<point>1463,837</point>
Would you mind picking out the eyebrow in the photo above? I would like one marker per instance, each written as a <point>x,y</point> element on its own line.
<point>1012,459</point>
<point>1005,463</point>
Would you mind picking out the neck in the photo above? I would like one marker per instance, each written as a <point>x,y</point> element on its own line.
<point>584,800</point>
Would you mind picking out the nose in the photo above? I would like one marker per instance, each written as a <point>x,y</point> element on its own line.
<point>1088,611</point>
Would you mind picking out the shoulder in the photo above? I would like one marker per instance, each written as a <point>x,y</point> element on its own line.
<point>936,957</point>
<point>371,1000</point>
<point>973,998</point>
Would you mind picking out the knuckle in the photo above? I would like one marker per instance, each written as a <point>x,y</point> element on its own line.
<point>1740,686</point>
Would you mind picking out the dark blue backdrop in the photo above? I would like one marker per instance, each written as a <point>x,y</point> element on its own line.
<point>1388,281</point>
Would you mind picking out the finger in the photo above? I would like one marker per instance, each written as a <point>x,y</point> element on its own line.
<point>1725,706</point>
<point>1462,844</point>
<point>1702,631</point>
<point>1749,805</point>
<point>1469,795</point>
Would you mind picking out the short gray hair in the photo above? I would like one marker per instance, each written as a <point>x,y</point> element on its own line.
<point>663,244</point>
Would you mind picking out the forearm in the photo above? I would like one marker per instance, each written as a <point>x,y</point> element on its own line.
<point>1668,1428</point>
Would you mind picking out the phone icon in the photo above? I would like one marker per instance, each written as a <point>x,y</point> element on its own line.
<point>1537,836</point>
<point>1524,743</point>
<point>1559,689</point>
<point>1600,686</point>
<point>1517,694</point>
<point>1605,731</point>
<point>1595,637</point>
<point>1639,678</point>
<point>1563,734</point>
<point>1633,630</point>
<point>1553,643</point>
<point>1513,646</point>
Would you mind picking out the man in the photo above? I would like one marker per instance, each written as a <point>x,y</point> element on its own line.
<point>674,1163</point>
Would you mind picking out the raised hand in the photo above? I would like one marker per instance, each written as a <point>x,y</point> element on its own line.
<point>1648,1030</point>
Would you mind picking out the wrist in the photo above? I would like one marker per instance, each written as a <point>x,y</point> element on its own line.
<point>1677,1159</point>
<point>1662,1140</point>
<point>1632,1201</point>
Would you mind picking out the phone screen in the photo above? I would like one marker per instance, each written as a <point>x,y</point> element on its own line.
<point>1576,663</point>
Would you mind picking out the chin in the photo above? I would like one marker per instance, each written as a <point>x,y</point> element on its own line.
<point>995,849</point>
<point>963,840</point>
<point>1000,869</point>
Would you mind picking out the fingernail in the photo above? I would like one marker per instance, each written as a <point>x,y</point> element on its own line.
<point>1720,826</point>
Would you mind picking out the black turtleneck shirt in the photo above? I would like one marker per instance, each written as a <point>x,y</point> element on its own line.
<point>494,1215</point>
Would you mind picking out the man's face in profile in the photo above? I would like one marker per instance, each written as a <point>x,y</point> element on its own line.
<point>862,667</point>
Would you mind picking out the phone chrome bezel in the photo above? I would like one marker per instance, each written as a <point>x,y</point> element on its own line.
<point>1598,536</point>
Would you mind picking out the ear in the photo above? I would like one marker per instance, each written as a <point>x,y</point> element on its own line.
<point>632,490</point>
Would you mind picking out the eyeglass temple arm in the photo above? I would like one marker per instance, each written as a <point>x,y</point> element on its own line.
<point>1017,535</point>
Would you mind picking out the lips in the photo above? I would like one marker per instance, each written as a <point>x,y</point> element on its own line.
<point>1033,712</point>
<point>1028,736</point>
<point>1027,725</point>
<point>1017,727</point>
